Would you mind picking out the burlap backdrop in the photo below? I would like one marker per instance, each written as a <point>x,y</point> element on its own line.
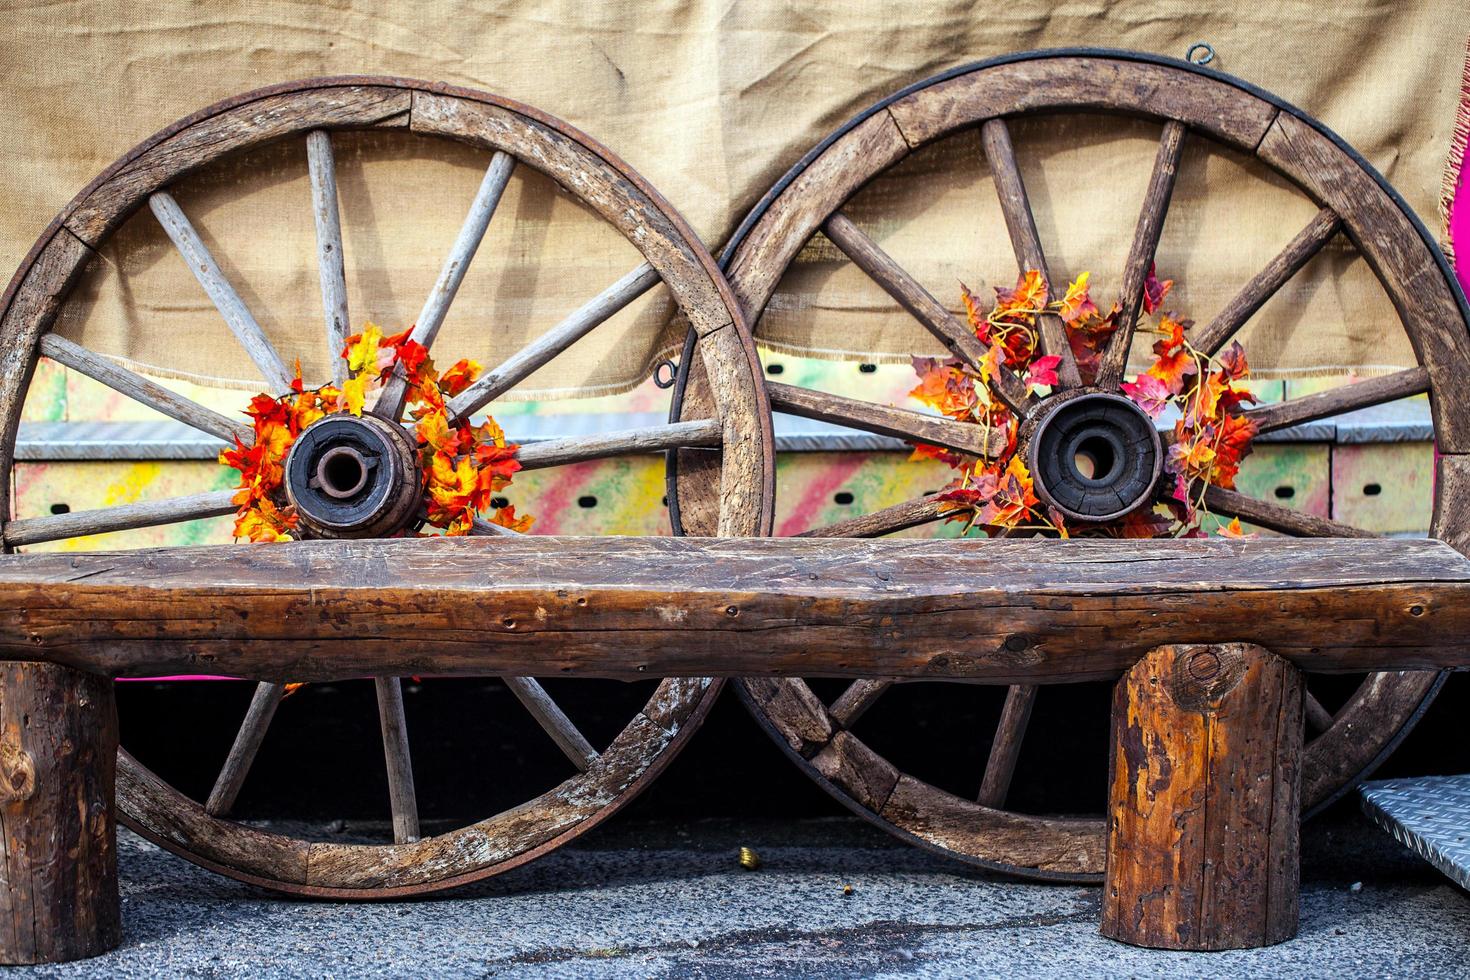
<point>712,102</point>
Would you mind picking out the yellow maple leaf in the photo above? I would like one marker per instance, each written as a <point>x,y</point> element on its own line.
<point>354,393</point>
<point>362,349</point>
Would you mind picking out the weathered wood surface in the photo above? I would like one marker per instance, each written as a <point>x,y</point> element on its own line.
<point>995,136</point>
<point>1141,255</point>
<point>1005,751</point>
<point>1264,284</point>
<point>402,798</point>
<point>222,294</point>
<point>58,840</point>
<point>143,390</point>
<point>331,264</point>
<point>901,423</point>
<point>549,716</point>
<point>1335,401</point>
<point>948,329</point>
<point>520,365</point>
<point>1203,848</point>
<point>1001,612</point>
<point>231,778</point>
<point>123,517</point>
<point>899,517</point>
<point>622,442</point>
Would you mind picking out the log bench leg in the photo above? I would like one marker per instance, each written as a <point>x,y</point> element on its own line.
<point>1204,800</point>
<point>58,837</point>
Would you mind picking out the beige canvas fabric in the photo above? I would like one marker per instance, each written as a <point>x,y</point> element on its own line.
<point>711,102</point>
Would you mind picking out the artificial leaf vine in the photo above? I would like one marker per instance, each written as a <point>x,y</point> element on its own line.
<point>463,465</point>
<point>1210,437</point>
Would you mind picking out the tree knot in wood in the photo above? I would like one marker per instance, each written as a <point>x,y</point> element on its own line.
<point>17,773</point>
<point>1204,674</point>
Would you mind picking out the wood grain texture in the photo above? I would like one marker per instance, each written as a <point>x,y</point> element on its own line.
<point>1336,401</point>
<point>1141,254</point>
<point>1084,83</point>
<point>237,316</point>
<point>451,274</point>
<point>756,268</point>
<point>902,423</point>
<point>623,442</point>
<point>995,137</point>
<point>855,701</point>
<point>143,390</point>
<point>31,303</point>
<point>331,264</point>
<point>1406,267</point>
<point>520,365</point>
<point>898,517</point>
<point>1205,784</point>
<point>58,835</point>
<point>123,517</point>
<point>1277,518</point>
<point>1264,284</point>
<point>664,241</point>
<point>921,304</point>
<point>553,721</point>
<point>1001,612</point>
<point>231,778</point>
<point>1005,749</point>
<point>402,798</point>
<point>237,124</point>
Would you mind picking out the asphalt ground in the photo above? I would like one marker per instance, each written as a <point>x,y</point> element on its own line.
<point>832,898</point>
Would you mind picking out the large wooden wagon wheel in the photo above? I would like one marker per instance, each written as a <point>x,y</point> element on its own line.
<point>731,431</point>
<point>1190,104</point>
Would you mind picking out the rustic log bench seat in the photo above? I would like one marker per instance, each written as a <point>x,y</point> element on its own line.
<point>1206,637</point>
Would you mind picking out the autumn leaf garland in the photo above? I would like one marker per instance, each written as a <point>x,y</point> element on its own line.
<point>1210,438</point>
<point>463,465</point>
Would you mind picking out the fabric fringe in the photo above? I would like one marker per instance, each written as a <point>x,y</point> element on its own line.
<point>1459,143</point>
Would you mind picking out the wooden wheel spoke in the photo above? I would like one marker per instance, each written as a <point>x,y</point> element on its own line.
<point>232,774</point>
<point>1335,401</point>
<point>1000,767</point>
<point>322,168</point>
<point>626,442</point>
<point>200,262</point>
<point>551,718</point>
<point>911,513</point>
<point>143,390</point>
<point>486,529</point>
<point>901,423</point>
<point>520,365</point>
<point>1141,255</point>
<point>921,304</point>
<point>401,794</point>
<point>1277,518</point>
<point>1254,294</point>
<point>124,517</point>
<point>1021,224</point>
<point>856,700</point>
<point>436,307</point>
<point>1319,719</point>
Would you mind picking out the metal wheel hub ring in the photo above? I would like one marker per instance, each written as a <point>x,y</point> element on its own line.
<point>1096,457</point>
<point>353,477</point>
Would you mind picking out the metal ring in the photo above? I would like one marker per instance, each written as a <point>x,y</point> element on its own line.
<point>1206,53</point>
<point>673,373</point>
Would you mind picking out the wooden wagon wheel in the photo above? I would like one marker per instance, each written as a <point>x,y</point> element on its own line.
<point>732,433</point>
<point>1193,104</point>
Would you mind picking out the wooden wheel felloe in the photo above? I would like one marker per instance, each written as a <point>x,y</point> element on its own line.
<point>1188,103</point>
<point>725,417</point>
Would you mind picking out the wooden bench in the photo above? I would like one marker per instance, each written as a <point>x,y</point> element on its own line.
<point>1207,638</point>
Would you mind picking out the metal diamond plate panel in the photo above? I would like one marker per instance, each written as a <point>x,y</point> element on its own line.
<point>1430,815</point>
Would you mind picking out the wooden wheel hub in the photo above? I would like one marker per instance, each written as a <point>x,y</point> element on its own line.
<point>353,477</point>
<point>1095,457</point>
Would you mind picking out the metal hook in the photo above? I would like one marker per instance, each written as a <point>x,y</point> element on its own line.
<point>1206,53</point>
<point>673,373</point>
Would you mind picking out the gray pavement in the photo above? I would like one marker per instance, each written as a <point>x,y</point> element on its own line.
<point>653,900</point>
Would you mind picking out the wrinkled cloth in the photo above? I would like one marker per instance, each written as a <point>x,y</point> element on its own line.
<point>711,102</point>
